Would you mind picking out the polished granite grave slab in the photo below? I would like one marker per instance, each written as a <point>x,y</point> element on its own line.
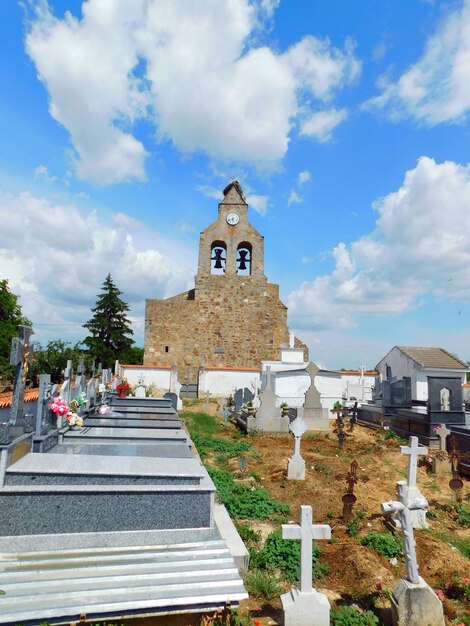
<point>171,449</point>
<point>151,434</point>
<point>138,410</point>
<point>111,422</point>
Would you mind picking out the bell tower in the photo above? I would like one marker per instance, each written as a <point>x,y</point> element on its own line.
<point>231,246</point>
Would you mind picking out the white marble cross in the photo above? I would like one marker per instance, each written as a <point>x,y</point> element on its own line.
<point>403,510</point>
<point>306,532</point>
<point>413,451</point>
<point>442,432</point>
<point>298,428</point>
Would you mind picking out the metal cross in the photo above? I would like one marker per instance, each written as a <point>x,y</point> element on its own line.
<point>455,456</point>
<point>413,450</point>
<point>306,532</point>
<point>351,478</point>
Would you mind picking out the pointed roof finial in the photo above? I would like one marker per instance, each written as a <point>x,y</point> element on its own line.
<point>238,188</point>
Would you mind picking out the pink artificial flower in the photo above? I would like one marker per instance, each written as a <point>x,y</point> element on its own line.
<point>62,409</point>
<point>440,594</point>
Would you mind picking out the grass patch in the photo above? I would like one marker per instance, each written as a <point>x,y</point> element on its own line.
<point>354,525</point>
<point>383,543</point>
<point>201,424</point>
<point>462,544</point>
<point>263,584</point>
<point>463,516</point>
<point>244,502</point>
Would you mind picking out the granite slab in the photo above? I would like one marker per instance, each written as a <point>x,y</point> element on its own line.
<point>96,465</point>
<point>111,422</point>
<point>171,449</point>
<point>151,434</point>
<point>158,411</point>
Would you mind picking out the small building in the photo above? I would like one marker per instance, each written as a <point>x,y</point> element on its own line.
<point>420,363</point>
<point>357,384</point>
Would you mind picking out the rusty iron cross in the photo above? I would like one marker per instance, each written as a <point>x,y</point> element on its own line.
<point>352,477</point>
<point>454,456</point>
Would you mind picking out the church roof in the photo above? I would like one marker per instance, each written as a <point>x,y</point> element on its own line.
<point>433,357</point>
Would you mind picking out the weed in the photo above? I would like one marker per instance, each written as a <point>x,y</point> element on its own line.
<point>278,554</point>
<point>383,543</point>
<point>311,437</point>
<point>324,469</point>
<point>222,461</point>
<point>463,516</point>
<point>461,543</point>
<point>231,448</point>
<point>201,424</point>
<point>263,584</point>
<point>354,524</point>
<point>432,514</point>
<point>244,502</point>
<point>350,616</point>
<point>227,617</point>
<point>391,434</point>
<point>256,476</point>
<point>248,533</point>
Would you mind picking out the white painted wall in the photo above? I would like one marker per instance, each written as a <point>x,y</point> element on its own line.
<point>156,376</point>
<point>221,383</point>
<point>352,386</point>
<point>291,386</point>
<point>291,355</point>
<point>402,366</point>
<point>330,387</point>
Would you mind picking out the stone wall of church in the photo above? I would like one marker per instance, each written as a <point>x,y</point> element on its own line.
<point>231,322</point>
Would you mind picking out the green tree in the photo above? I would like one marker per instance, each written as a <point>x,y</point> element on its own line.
<point>109,327</point>
<point>11,317</point>
<point>53,359</point>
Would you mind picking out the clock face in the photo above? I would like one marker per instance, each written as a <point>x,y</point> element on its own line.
<point>233,218</point>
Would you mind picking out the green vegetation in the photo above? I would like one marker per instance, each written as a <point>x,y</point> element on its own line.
<point>247,533</point>
<point>324,469</point>
<point>355,523</point>
<point>109,327</point>
<point>11,317</point>
<point>280,555</point>
<point>244,502</point>
<point>462,544</point>
<point>350,616</point>
<point>261,583</point>
<point>383,543</point>
<point>200,424</point>
<point>463,516</point>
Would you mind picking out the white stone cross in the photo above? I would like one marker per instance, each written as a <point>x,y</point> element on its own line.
<point>291,339</point>
<point>442,432</point>
<point>306,532</point>
<point>298,428</point>
<point>403,510</point>
<point>413,450</point>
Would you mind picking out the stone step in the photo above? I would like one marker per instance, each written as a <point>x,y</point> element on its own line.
<point>60,586</point>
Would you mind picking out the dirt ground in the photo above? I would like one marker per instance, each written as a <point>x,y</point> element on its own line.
<point>355,571</point>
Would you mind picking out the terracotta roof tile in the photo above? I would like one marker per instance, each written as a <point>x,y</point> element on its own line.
<point>147,367</point>
<point>433,357</point>
<point>29,396</point>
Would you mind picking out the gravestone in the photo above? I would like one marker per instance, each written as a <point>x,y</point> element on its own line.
<point>440,461</point>
<point>140,392</point>
<point>418,516</point>
<point>305,606</point>
<point>173,398</point>
<point>268,416</point>
<point>66,389</point>
<point>46,434</point>
<point>80,379</point>
<point>254,386</point>
<point>414,603</point>
<point>177,390</point>
<point>238,398</point>
<point>206,402</point>
<point>21,356</point>
<point>397,393</point>
<point>91,390</point>
<point>296,465</point>
<point>315,416</point>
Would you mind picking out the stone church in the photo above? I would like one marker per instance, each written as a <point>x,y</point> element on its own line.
<point>233,318</point>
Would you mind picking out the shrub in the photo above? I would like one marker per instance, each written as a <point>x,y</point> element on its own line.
<point>350,616</point>
<point>354,524</point>
<point>463,516</point>
<point>262,584</point>
<point>248,533</point>
<point>383,543</point>
<point>284,555</point>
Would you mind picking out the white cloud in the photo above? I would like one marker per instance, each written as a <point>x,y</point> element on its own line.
<point>41,172</point>
<point>419,246</point>
<point>304,177</point>
<point>436,88</point>
<point>152,59</point>
<point>258,203</point>
<point>211,192</point>
<point>57,256</point>
<point>294,198</point>
<point>322,124</point>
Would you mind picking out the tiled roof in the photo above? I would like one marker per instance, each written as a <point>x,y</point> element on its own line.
<point>358,372</point>
<point>433,357</point>
<point>29,396</point>
<point>234,369</point>
<point>147,367</point>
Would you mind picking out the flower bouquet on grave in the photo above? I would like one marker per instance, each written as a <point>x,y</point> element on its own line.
<point>247,407</point>
<point>73,420</point>
<point>104,409</point>
<point>77,402</point>
<point>123,389</point>
<point>59,406</point>
<point>284,409</point>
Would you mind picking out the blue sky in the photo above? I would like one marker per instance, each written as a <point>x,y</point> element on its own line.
<point>121,121</point>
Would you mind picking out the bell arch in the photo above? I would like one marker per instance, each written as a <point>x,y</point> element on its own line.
<point>218,257</point>
<point>244,258</point>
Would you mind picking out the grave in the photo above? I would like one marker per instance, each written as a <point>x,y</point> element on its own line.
<point>268,416</point>
<point>305,606</point>
<point>296,464</point>
<point>440,461</point>
<point>389,397</point>
<point>315,416</point>
<point>46,433</point>
<point>414,603</point>
<point>116,520</point>
<point>413,450</point>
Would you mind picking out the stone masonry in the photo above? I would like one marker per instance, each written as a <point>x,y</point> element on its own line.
<point>233,317</point>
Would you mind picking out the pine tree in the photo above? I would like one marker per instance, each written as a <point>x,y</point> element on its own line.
<point>109,326</point>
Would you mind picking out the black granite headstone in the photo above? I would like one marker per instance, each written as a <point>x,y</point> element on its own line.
<point>173,398</point>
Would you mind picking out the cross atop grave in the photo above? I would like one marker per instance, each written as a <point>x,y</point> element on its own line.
<point>442,432</point>
<point>298,428</point>
<point>352,477</point>
<point>66,388</point>
<point>306,532</point>
<point>403,510</point>
<point>413,451</point>
<point>81,367</point>
<point>21,356</point>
